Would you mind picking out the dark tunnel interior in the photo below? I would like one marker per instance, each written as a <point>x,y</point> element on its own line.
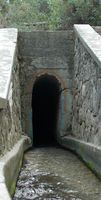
<point>45,105</point>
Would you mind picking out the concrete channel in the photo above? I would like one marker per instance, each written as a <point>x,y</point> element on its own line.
<point>47,173</point>
<point>55,173</point>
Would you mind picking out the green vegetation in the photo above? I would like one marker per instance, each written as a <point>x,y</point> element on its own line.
<point>49,14</point>
<point>3,12</point>
<point>82,12</point>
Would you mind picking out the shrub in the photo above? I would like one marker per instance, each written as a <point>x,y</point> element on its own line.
<point>58,14</point>
<point>3,12</point>
<point>81,12</point>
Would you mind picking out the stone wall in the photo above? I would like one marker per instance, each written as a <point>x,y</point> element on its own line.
<point>10,116</point>
<point>97,29</point>
<point>87,86</point>
<point>46,52</point>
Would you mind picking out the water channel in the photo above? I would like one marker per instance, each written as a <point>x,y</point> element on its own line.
<point>53,173</point>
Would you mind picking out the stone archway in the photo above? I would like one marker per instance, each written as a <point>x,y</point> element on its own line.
<point>45,108</point>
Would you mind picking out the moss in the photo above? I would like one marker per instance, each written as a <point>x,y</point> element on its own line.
<point>13,185</point>
<point>90,165</point>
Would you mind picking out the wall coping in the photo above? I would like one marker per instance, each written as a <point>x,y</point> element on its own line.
<point>10,165</point>
<point>88,152</point>
<point>90,39</point>
<point>8,41</point>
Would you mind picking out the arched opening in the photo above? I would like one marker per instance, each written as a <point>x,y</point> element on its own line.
<point>45,105</point>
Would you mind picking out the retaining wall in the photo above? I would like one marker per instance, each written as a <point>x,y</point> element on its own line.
<point>86,125</point>
<point>87,85</point>
<point>10,116</point>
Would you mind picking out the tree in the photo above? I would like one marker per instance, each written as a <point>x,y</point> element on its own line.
<point>58,14</point>
<point>3,12</point>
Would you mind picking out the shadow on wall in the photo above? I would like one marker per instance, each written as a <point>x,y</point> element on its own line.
<point>45,108</point>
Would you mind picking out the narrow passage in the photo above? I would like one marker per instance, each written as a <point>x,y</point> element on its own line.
<point>54,173</point>
<point>45,103</point>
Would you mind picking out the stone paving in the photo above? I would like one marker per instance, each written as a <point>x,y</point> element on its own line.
<point>54,173</point>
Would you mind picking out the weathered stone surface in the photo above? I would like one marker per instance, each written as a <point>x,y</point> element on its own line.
<point>8,39</point>
<point>52,53</point>
<point>87,86</point>
<point>46,53</point>
<point>10,116</point>
<point>91,40</point>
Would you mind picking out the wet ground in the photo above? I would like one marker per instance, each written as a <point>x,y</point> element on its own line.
<point>54,173</point>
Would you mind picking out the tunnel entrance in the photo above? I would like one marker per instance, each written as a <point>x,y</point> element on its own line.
<point>45,106</point>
